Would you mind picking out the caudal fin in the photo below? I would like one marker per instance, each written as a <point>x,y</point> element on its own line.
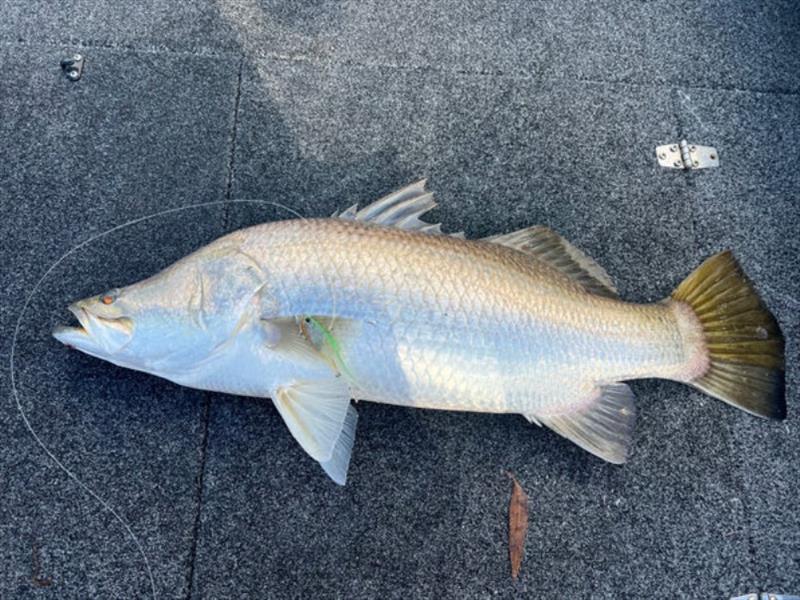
<point>744,342</point>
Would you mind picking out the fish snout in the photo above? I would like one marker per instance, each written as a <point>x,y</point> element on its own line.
<point>95,333</point>
<point>74,336</point>
<point>78,311</point>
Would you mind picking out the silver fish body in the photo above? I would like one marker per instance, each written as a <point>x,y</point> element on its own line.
<point>376,304</point>
<point>458,324</point>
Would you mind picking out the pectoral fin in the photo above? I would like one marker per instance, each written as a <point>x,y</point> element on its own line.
<point>321,419</point>
<point>311,338</point>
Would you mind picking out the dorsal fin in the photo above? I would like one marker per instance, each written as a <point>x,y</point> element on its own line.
<point>401,209</point>
<point>546,245</point>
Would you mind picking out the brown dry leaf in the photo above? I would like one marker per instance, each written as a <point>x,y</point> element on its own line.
<point>517,526</point>
<point>37,579</point>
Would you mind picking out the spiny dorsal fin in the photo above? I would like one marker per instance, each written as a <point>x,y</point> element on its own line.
<point>401,209</point>
<point>604,427</point>
<point>546,245</point>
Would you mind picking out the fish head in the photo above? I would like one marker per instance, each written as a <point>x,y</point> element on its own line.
<point>169,323</point>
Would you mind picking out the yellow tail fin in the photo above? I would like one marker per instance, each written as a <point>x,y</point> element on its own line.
<point>744,342</point>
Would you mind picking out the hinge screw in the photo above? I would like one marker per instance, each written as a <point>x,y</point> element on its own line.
<point>77,57</point>
<point>662,156</point>
<point>677,163</point>
<point>673,148</point>
<point>695,163</point>
<point>72,74</point>
<point>693,148</point>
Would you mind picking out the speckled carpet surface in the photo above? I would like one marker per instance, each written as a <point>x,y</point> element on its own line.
<point>518,113</point>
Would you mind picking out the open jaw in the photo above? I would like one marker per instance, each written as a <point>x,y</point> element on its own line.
<point>95,335</point>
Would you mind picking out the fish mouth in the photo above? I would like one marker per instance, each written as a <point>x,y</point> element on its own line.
<point>94,334</point>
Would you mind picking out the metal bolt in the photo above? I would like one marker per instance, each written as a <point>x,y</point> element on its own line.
<point>677,163</point>
<point>72,74</point>
<point>77,57</point>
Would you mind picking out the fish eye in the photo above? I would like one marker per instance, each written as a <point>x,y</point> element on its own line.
<point>107,298</point>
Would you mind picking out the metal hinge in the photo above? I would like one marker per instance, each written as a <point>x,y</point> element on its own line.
<point>73,67</point>
<point>766,596</point>
<point>687,156</point>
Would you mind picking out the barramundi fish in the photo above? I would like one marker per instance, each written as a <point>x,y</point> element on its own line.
<point>376,304</point>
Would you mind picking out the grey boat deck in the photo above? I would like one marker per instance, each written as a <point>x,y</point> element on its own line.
<point>518,113</point>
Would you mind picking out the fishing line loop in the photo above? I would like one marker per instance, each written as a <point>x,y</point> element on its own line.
<point>12,359</point>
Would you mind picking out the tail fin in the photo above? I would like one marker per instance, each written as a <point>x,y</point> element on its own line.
<point>744,342</point>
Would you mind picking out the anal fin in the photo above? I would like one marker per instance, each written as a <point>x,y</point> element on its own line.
<point>603,427</point>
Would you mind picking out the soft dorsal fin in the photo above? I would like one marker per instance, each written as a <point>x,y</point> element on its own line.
<point>401,209</point>
<point>546,245</point>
